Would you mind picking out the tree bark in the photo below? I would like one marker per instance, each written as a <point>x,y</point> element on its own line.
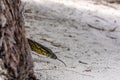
<point>15,58</point>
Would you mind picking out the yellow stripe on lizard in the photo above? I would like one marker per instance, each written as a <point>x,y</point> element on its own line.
<point>40,49</point>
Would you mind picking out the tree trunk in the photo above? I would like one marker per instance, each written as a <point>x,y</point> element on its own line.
<point>15,58</point>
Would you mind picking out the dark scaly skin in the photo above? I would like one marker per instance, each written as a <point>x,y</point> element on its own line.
<point>40,49</point>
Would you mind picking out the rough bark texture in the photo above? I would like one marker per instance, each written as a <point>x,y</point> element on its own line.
<point>15,58</point>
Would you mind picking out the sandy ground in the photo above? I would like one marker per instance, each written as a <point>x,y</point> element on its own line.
<point>83,33</point>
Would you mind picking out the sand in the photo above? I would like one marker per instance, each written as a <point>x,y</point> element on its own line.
<point>82,33</point>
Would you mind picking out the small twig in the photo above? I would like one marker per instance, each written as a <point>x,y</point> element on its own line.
<point>102,29</point>
<point>91,26</point>
<point>111,37</point>
<point>101,18</point>
<point>112,30</point>
<point>82,62</point>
